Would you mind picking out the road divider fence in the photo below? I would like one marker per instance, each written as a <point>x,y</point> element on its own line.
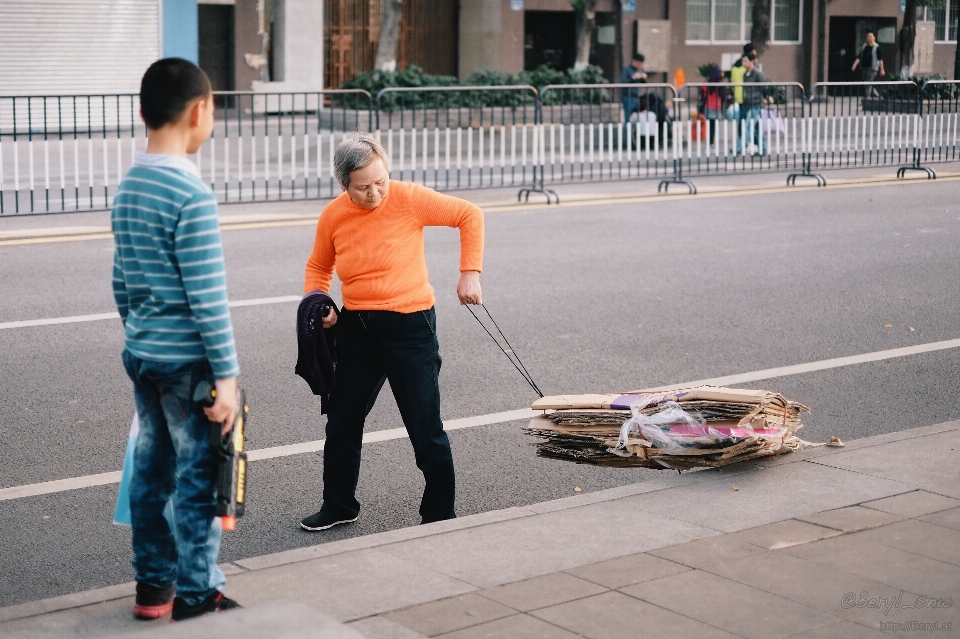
<point>69,153</point>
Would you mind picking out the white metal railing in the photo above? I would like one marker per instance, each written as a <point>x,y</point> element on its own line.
<point>280,146</point>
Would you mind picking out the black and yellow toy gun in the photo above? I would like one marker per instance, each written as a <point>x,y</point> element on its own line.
<point>232,461</point>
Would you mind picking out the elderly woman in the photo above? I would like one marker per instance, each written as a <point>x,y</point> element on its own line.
<point>372,234</point>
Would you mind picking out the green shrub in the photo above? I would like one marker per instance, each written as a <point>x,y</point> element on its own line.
<point>414,77</point>
<point>933,92</point>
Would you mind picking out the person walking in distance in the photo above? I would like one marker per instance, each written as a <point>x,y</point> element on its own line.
<point>372,236</point>
<point>170,288</point>
<point>870,61</point>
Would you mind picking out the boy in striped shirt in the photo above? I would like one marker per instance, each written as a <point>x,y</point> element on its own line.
<point>170,288</point>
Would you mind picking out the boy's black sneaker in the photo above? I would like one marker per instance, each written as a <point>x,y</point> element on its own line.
<point>322,521</point>
<point>216,602</point>
<point>153,602</point>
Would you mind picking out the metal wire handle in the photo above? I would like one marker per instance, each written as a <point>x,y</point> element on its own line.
<point>508,351</point>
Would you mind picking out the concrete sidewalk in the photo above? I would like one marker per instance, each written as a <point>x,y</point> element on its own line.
<point>830,542</point>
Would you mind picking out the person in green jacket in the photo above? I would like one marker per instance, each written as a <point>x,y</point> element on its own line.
<point>737,72</point>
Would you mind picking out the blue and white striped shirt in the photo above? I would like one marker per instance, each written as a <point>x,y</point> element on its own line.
<point>168,271</point>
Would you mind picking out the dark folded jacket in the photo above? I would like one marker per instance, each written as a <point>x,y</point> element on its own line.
<point>317,346</point>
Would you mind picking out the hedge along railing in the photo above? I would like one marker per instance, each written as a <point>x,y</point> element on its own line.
<point>68,153</point>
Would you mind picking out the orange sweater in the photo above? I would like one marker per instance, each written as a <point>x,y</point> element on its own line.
<point>378,253</point>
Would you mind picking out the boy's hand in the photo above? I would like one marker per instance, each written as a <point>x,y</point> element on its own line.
<point>224,409</point>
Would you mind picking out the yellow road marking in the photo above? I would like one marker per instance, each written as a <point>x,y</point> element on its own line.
<point>17,238</point>
<point>56,240</point>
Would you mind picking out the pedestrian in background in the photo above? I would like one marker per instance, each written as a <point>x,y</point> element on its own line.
<point>870,61</point>
<point>737,72</point>
<point>753,100</point>
<point>633,73</point>
<point>712,101</point>
<point>170,289</point>
<point>372,235</point>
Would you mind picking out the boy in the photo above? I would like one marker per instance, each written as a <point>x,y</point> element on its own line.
<point>169,286</point>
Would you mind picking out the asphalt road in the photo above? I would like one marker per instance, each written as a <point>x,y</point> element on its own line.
<point>599,297</point>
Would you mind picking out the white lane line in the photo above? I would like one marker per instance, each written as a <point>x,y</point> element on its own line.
<point>823,364</point>
<point>263,301</point>
<point>70,319</point>
<point>59,485</point>
<point>94,317</point>
<point>88,481</point>
<point>74,483</point>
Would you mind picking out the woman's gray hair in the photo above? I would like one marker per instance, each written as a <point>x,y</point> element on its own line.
<point>355,152</point>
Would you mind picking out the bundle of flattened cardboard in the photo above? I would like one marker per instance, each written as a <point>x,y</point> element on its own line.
<point>684,428</point>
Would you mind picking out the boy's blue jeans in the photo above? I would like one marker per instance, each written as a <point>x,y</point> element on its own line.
<point>173,458</point>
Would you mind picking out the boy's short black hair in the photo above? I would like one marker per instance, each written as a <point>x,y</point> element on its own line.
<point>166,89</point>
<point>870,32</point>
<point>751,56</point>
<point>638,57</point>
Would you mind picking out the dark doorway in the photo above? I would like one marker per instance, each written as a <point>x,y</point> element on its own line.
<point>216,44</point>
<point>847,36</point>
<point>603,45</point>
<point>549,38</point>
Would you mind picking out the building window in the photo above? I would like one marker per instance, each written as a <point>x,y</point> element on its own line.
<point>786,20</point>
<point>945,30</point>
<point>729,21</point>
<point>698,20</point>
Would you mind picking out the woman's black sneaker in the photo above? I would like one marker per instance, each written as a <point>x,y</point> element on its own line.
<point>216,602</point>
<point>322,521</point>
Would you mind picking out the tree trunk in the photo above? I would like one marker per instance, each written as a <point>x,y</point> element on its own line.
<point>618,48</point>
<point>760,32</point>
<point>821,39</point>
<point>389,37</point>
<point>908,36</point>
<point>586,21</point>
<point>956,57</point>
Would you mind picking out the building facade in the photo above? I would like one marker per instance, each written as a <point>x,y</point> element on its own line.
<point>55,47</point>
<point>811,40</point>
<point>77,46</point>
<point>429,35</point>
